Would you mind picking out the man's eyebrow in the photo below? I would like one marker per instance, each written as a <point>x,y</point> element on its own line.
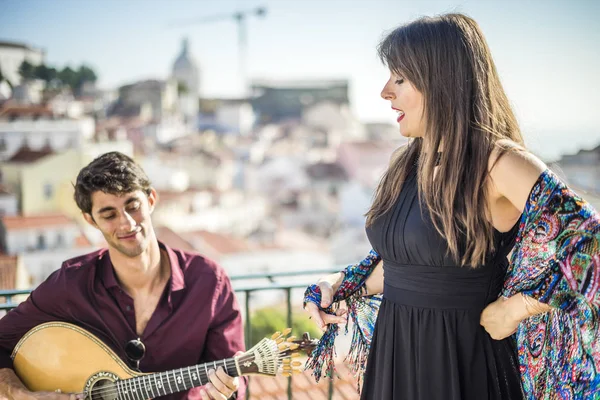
<point>111,208</point>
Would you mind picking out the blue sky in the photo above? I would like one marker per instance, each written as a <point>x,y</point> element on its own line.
<point>547,52</point>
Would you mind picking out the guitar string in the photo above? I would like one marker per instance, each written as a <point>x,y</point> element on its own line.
<point>139,387</point>
<point>114,389</point>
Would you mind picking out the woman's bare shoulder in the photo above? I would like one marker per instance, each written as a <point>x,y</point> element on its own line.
<point>513,171</point>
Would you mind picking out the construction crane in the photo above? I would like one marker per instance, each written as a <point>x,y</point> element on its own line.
<point>240,18</point>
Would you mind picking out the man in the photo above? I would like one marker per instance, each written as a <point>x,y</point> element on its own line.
<point>179,305</point>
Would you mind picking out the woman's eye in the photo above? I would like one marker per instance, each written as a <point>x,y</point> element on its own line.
<point>399,81</point>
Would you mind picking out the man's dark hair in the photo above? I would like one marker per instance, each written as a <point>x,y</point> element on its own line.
<point>113,173</point>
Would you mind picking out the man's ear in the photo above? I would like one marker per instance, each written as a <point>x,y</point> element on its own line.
<point>152,199</point>
<point>89,219</point>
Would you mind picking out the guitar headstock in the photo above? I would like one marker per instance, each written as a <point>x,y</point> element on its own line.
<point>277,354</point>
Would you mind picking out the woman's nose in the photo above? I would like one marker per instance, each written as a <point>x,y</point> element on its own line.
<point>387,94</point>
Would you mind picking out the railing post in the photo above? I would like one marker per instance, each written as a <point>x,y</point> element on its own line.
<point>288,292</point>
<point>248,334</point>
<point>330,392</point>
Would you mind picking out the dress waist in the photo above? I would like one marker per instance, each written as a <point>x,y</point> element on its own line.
<point>441,287</point>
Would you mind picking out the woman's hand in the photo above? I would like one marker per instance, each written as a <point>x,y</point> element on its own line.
<point>498,319</point>
<point>502,317</point>
<point>328,286</point>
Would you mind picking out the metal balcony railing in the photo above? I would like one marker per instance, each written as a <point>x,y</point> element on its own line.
<point>269,282</point>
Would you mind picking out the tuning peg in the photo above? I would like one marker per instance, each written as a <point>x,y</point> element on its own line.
<point>291,338</point>
<point>287,374</point>
<point>286,331</point>
<point>296,364</point>
<point>283,347</point>
<point>294,346</point>
<point>276,335</point>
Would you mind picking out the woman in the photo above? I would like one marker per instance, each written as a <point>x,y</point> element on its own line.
<point>445,216</point>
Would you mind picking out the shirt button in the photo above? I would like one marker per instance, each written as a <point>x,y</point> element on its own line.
<point>128,308</point>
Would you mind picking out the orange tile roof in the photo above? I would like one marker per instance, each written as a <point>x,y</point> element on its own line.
<point>221,243</point>
<point>27,155</point>
<point>5,191</point>
<point>304,386</point>
<point>172,239</point>
<point>19,222</point>
<point>81,241</point>
<point>19,110</point>
<point>8,272</point>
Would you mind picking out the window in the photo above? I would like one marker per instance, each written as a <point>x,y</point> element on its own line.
<point>48,191</point>
<point>41,242</point>
<point>60,241</point>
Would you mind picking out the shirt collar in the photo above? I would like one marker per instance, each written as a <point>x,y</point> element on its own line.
<point>177,278</point>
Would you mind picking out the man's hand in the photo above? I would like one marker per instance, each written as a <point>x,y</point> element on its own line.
<point>27,395</point>
<point>55,396</point>
<point>11,388</point>
<point>221,386</point>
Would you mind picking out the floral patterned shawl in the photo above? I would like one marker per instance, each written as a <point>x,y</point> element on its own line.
<point>556,260</point>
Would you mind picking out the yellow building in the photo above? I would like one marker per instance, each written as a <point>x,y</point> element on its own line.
<point>44,182</point>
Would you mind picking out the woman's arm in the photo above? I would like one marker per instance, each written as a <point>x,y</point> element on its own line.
<point>329,284</point>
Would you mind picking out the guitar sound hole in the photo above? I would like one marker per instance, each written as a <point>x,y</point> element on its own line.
<point>103,389</point>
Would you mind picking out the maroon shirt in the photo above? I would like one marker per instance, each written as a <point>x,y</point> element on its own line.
<point>197,319</point>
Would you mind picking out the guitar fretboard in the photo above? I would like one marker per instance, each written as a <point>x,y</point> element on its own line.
<point>165,383</point>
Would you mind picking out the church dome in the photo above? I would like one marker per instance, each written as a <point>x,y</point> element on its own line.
<point>185,68</point>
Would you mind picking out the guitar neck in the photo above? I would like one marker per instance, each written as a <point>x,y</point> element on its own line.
<point>177,380</point>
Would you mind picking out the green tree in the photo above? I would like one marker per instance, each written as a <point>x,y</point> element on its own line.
<point>45,73</point>
<point>27,70</point>
<point>85,74</point>
<point>181,88</point>
<point>68,77</point>
<point>266,321</point>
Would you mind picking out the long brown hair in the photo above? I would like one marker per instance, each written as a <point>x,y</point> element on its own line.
<point>467,115</point>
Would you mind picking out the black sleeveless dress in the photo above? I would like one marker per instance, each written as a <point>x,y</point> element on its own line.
<point>428,343</point>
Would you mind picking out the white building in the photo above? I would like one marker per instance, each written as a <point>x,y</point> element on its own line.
<point>9,203</point>
<point>43,242</point>
<point>236,116</point>
<point>581,169</point>
<point>337,120</point>
<point>187,75</point>
<point>12,56</point>
<point>230,212</point>
<point>156,98</point>
<point>36,127</point>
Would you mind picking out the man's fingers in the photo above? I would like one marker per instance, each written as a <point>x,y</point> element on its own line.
<point>326,294</point>
<point>231,382</point>
<point>217,389</point>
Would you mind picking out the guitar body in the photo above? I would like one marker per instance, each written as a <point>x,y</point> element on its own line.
<point>61,356</point>
<point>57,356</point>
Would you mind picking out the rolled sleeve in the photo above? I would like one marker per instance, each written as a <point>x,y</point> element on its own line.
<point>45,304</point>
<point>226,333</point>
